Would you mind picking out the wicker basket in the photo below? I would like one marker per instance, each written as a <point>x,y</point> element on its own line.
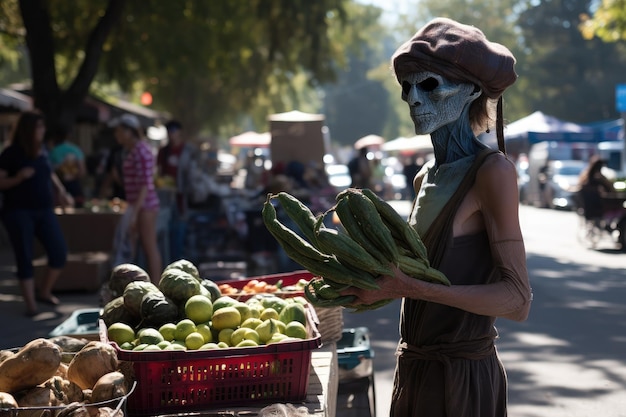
<point>330,323</point>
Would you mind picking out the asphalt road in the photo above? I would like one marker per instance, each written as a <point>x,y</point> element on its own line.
<point>569,358</point>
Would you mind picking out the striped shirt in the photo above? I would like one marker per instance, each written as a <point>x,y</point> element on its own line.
<point>138,169</point>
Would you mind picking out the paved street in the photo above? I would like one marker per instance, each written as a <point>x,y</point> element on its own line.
<point>568,358</point>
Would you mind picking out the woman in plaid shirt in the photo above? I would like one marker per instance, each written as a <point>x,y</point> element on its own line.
<point>138,172</point>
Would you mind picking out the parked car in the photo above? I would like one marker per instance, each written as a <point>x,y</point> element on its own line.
<point>562,183</point>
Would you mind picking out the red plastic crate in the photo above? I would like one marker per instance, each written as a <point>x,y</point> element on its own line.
<point>287,278</point>
<point>184,381</point>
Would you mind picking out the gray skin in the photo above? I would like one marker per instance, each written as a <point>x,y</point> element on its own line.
<point>440,108</point>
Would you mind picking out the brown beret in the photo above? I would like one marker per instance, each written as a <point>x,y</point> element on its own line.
<point>459,52</point>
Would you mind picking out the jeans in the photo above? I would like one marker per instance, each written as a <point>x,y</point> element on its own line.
<point>22,226</point>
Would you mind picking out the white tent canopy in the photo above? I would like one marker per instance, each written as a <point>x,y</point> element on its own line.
<point>419,143</point>
<point>539,122</point>
<point>251,140</point>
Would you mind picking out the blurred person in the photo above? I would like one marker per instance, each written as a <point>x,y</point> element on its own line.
<point>593,185</point>
<point>466,213</point>
<point>175,160</point>
<point>68,162</point>
<point>28,182</point>
<point>410,168</point>
<point>360,169</point>
<point>143,203</point>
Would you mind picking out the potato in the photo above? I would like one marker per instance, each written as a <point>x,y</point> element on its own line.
<point>36,397</point>
<point>7,400</point>
<point>92,362</point>
<point>109,387</point>
<point>32,365</point>
<point>74,410</point>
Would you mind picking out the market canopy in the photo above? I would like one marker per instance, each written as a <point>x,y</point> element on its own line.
<point>419,143</point>
<point>251,140</point>
<point>369,141</point>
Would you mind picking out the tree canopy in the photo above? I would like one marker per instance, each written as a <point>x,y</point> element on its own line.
<point>204,62</point>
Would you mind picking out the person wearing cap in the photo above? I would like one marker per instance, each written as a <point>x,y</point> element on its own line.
<point>138,178</point>
<point>175,160</point>
<point>466,212</point>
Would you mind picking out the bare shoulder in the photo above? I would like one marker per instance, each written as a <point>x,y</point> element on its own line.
<point>497,174</point>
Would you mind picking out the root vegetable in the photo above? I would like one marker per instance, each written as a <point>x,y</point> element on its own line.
<point>109,387</point>
<point>92,362</point>
<point>32,365</point>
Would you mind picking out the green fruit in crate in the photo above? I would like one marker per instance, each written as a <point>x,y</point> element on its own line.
<point>205,331</point>
<point>183,329</point>
<point>212,288</point>
<point>269,313</point>
<point>224,301</point>
<point>244,333</point>
<point>251,323</point>
<point>266,330</point>
<point>175,346</point>
<point>273,302</point>
<point>223,345</point>
<point>185,266</point>
<point>199,309</point>
<point>164,344</point>
<point>194,340</point>
<point>150,336</point>
<point>127,346</point>
<point>296,329</point>
<point>224,336</point>
<point>121,333</point>
<point>276,338</point>
<point>247,343</point>
<point>151,348</point>
<point>226,318</point>
<point>116,312</point>
<point>293,312</point>
<point>133,294</point>
<point>168,331</point>
<point>140,347</point>
<point>244,310</point>
<point>157,309</point>
<point>178,285</point>
<point>209,346</point>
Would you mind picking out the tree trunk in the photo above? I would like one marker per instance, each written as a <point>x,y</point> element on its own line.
<point>61,107</point>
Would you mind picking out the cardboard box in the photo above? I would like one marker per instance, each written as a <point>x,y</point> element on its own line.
<point>84,271</point>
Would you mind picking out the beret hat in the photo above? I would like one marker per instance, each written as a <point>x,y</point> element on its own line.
<point>459,52</point>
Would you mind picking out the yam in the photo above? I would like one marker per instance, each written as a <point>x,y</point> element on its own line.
<point>74,410</point>
<point>92,362</point>
<point>32,365</point>
<point>7,400</point>
<point>5,354</point>
<point>109,387</point>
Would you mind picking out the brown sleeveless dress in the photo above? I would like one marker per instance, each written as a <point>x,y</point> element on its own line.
<point>447,362</point>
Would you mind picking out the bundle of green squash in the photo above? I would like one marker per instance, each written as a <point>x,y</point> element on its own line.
<point>140,303</point>
<point>66,375</point>
<point>372,238</point>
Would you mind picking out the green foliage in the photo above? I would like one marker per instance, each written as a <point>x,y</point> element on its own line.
<point>608,21</point>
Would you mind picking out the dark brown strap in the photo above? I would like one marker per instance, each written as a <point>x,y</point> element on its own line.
<point>440,231</point>
<point>500,127</point>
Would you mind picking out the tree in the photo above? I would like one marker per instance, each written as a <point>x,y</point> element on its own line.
<point>572,78</point>
<point>206,62</point>
<point>608,21</point>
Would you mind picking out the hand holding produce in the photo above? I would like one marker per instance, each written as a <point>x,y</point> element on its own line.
<point>374,238</point>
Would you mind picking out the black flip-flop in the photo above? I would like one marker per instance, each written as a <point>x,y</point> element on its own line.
<point>48,301</point>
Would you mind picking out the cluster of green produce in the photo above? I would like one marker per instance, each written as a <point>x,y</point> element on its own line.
<point>185,312</point>
<point>373,238</point>
<point>75,376</point>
